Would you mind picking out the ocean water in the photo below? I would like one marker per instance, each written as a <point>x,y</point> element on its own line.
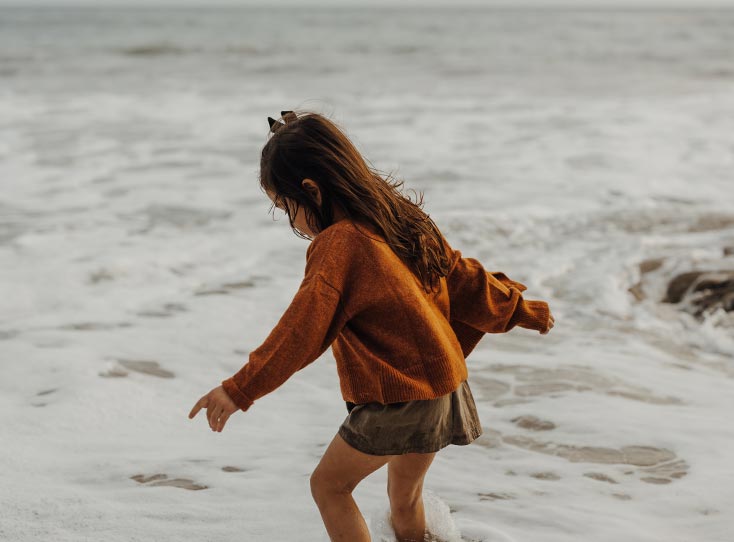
<point>587,154</point>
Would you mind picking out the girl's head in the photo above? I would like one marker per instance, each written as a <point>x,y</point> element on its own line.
<point>311,170</point>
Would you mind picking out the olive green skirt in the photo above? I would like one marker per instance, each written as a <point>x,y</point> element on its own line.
<point>420,426</point>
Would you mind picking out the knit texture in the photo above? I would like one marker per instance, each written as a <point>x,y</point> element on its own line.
<point>391,340</point>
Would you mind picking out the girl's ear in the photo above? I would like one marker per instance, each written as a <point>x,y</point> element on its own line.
<point>313,189</point>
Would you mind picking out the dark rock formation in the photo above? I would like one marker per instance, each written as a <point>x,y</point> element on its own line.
<point>702,291</point>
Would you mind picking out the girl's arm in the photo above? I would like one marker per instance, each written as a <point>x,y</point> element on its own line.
<point>307,328</point>
<point>489,301</point>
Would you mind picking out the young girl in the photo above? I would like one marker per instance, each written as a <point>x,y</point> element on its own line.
<point>401,310</point>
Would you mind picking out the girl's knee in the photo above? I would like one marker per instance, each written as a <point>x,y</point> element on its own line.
<point>323,486</point>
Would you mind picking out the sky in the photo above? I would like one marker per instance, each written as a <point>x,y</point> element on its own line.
<point>374,3</point>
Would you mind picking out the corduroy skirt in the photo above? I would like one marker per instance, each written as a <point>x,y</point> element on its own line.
<point>420,426</point>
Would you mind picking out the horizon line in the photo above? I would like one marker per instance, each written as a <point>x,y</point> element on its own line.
<point>608,5</point>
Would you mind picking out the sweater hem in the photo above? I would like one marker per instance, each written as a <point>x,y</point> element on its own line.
<point>434,377</point>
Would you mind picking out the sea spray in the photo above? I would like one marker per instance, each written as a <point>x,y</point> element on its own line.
<point>439,523</point>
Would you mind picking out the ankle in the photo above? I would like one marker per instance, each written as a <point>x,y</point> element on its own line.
<point>409,525</point>
<point>411,538</point>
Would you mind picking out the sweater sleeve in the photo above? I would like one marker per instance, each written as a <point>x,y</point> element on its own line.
<point>306,329</point>
<point>489,302</point>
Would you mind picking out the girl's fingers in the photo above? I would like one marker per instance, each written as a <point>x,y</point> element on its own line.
<point>221,421</point>
<point>209,412</point>
<point>197,407</point>
<point>551,320</point>
<point>214,420</point>
<point>210,415</point>
<point>216,412</point>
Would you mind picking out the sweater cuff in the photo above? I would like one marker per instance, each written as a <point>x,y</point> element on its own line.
<point>235,393</point>
<point>533,314</point>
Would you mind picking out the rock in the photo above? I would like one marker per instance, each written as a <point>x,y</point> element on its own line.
<point>702,291</point>
<point>650,265</point>
<point>636,290</point>
<point>678,286</point>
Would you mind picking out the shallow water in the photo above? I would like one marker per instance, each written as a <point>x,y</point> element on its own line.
<point>139,266</point>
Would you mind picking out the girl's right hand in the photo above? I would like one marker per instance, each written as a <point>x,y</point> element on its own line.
<point>219,407</point>
<point>550,324</point>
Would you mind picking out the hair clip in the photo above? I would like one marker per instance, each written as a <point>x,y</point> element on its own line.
<point>275,125</point>
<point>288,116</point>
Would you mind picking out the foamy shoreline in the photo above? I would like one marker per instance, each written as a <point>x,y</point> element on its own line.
<point>138,267</point>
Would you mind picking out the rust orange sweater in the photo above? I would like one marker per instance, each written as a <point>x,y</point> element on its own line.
<point>391,340</point>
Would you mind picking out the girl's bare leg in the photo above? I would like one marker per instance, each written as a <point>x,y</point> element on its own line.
<point>405,475</point>
<point>332,482</point>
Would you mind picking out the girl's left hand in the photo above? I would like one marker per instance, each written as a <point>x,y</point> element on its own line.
<point>551,323</point>
<point>219,407</point>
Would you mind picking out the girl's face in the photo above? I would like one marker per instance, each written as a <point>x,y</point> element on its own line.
<point>299,220</point>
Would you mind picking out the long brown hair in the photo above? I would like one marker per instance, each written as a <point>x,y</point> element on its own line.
<point>309,145</point>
